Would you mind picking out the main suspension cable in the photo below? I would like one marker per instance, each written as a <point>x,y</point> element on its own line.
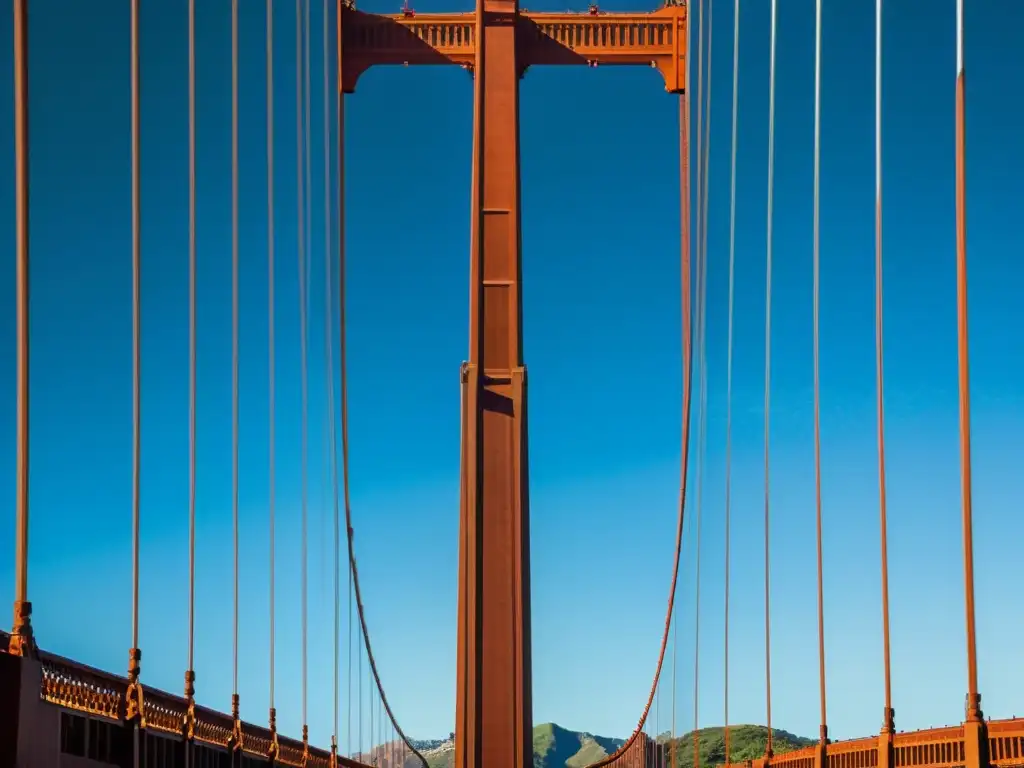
<point>767,383</point>
<point>823,735</point>
<point>729,354</point>
<point>888,721</point>
<point>687,356</point>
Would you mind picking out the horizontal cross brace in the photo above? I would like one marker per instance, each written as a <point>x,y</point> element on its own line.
<point>656,39</point>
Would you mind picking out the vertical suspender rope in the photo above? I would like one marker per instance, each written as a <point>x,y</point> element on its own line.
<point>234,366</point>
<point>329,374</point>
<point>767,384</point>
<point>700,188</point>
<point>973,697</point>
<point>728,373</point>
<point>190,675</point>
<point>343,375</point>
<point>21,638</point>
<point>888,718</point>
<point>359,658</point>
<point>702,269</point>
<point>135,710</point>
<point>684,294</point>
<point>270,351</point>
<point>823,731</point>
<point>300,229</point>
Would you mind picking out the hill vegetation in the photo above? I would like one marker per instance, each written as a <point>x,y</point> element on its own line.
<point>746,742</point>
<point>557,747</point>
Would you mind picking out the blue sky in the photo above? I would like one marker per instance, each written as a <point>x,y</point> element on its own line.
<point>600,235</point>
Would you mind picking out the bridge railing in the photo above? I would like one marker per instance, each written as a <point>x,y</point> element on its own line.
<point>929,748</point>
<point>91,692</point>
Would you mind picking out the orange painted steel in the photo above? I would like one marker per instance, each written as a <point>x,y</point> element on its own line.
<point>21,642</point>
<point>929,748</point>
<point>655,39</point>
<point>494,697</point>
<point>500,42</point>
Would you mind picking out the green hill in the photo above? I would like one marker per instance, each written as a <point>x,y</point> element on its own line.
<point>746,742</point>
<point>557,747</point>
<point>553,747</point>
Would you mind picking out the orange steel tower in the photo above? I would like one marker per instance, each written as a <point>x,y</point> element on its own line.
<point>496,44</point>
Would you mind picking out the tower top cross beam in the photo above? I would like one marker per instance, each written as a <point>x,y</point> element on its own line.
<point>656,39</point>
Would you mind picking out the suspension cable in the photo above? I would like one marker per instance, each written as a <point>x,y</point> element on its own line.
<point>767,383</point>
<point>359,660</point>
<point>355,595</point>
<point>134,709</point>
<point>270,330</point>
<point>823,735</point>
<point>888,719</point>
<point>136,319</point>
<point>343,378</point>
<point>973,697</point>
<point>687,355</point>
<point>190,672</point>
<point>684,247</point>
<point>300,230</point>
<point>702,278</point>
<point>234,349</point>
<point>729,343</point>
<point>329,371</point>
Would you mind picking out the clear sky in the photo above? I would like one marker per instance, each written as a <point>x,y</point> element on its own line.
<point>600,248</point>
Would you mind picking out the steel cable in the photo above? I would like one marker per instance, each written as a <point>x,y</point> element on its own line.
<point>687,360</point>
<point>963,375</point>
<point>133,694</point>
<point>702,278</point>
<point>767,381</point>
<point>729,351</point>
<point>270,326</point>
<point>234,333</point>
<point>329,371</point>
<point>879,379</point>
<point>817,379</point>
<point>190,673</point>
<point>303,363</point>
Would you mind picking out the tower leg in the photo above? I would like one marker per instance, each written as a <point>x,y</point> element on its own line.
<point>494,703</point>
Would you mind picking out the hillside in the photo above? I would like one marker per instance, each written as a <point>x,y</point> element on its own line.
<point>746,742</point>
<point>557,747</point>
<point>553,747</point>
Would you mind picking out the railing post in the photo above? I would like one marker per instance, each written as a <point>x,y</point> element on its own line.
<point>976,752</point>
<point>885,739</point>
<point>821,753</point>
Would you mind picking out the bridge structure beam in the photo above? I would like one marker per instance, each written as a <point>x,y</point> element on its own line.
<point>497,44</point>
<point>494,723</point>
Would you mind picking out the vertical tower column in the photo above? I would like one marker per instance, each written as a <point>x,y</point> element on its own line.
<point>494,720</point>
